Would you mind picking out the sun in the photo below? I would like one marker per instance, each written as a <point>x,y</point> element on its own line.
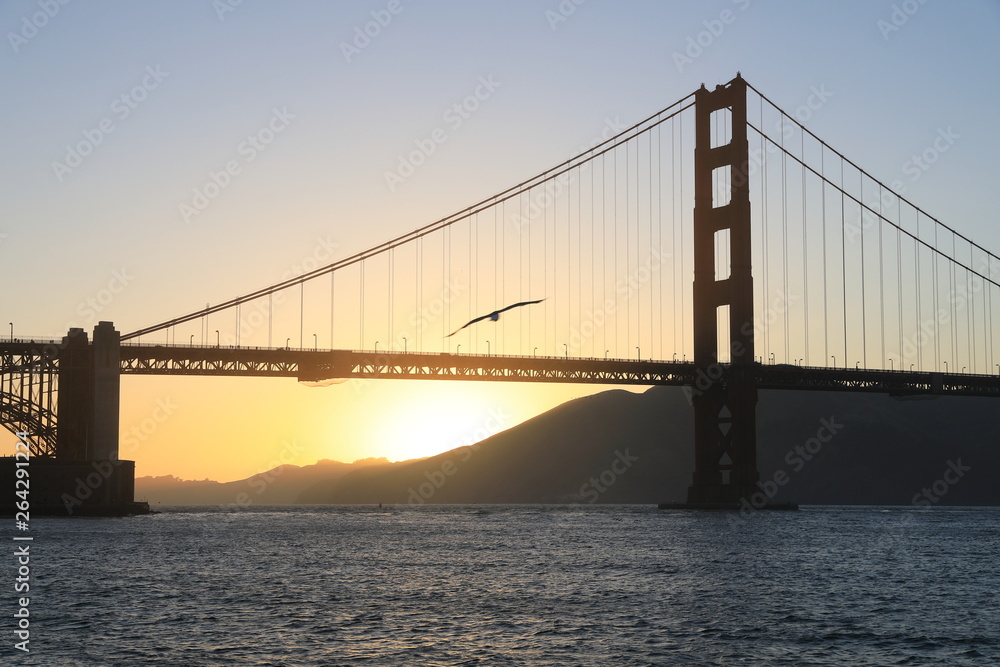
<point>439,418</point>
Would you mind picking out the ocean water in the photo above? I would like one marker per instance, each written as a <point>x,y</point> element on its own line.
<point>513,585</point>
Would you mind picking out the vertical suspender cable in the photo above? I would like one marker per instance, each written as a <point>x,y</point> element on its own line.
<point>805,255</point>
<point>937,319</point>
<point>899,283</point>
<point>843,252</point>
<point>826,293</point>
<point>881,274</point>
<point>680,154</point>
<point>864,330</point>
<point>784,230</point>
<point>917,278</point>
<point>765,310</point>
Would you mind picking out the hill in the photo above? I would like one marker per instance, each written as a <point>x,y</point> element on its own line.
<point>279,486</point>
<point>624,447</point>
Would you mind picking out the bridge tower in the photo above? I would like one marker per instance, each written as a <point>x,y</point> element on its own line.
<point>725,396</point>
<point>89,394</point>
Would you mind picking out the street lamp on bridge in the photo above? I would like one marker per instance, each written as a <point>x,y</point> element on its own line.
<point>487,348</point>
<point>218,339</point>
<point>288,343</point>
<point>376,346</point>
<point>404,344</point>
<point>771,357</point>
<point>890,363</point>
<point>11,331</point>
<point>315,342</point>
<point>534,352</point>
<point>834,360</point>
<point>566,348</point>
<point>191,340</point>
<point>638,354</point>
<point>945,366</point>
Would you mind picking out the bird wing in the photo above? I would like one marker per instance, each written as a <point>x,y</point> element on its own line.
<point>478,319</point>
<point>519,304</point>
<point>495,312</point>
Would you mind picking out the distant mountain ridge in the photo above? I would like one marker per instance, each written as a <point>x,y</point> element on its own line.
<point>279,486</point>
<point>621,447</point>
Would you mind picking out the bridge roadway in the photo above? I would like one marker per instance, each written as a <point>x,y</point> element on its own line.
<point>325,365</point>
<point>311,365</point>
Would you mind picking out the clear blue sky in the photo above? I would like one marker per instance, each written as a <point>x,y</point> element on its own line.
<point>198,79</point>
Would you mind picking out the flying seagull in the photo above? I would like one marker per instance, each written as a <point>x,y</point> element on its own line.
<point>495,315</point>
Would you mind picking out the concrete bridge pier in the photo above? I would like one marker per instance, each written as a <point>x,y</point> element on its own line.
<point>89,395</point>
<point>85,476</point>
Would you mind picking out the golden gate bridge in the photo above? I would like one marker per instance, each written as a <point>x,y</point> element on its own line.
<point>717,245</point>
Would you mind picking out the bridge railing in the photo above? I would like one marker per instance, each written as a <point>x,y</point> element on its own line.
<point>202,346</point>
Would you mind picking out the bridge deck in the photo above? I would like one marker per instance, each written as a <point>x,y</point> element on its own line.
<point>327,365</point>
<point>308,365</point>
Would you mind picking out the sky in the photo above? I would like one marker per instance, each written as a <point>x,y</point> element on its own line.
<point>117,115</point>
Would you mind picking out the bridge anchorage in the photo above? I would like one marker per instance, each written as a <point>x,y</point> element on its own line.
<point>927,302</point>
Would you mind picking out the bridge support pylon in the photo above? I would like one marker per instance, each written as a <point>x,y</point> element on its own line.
<point>725,398</point>
<point>85,477</point>
<point>89,395</point>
